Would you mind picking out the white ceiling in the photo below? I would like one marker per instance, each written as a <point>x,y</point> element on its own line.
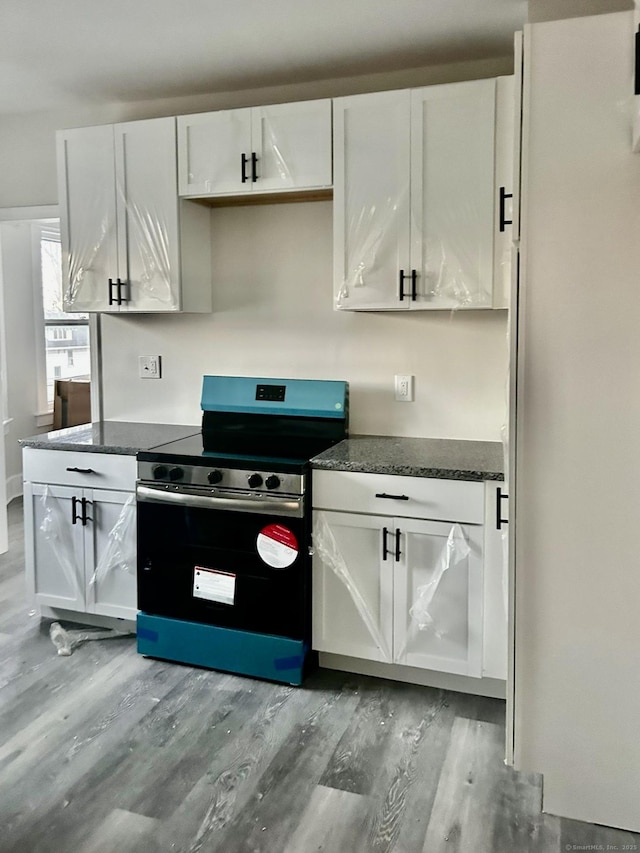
<point>57,53</point>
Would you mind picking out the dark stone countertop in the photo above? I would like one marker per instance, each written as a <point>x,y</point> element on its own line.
<point>117,437</point>
<point>449,459</point>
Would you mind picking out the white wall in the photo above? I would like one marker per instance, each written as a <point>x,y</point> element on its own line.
<point>578,484</point>
<point>19,321</point>
<point>273,316</point>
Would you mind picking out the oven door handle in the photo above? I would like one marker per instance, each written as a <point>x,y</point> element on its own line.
<point>269,505</point>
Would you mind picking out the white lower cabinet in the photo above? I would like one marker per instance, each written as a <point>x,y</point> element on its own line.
<point>401,590</point>
<point>80,541</point>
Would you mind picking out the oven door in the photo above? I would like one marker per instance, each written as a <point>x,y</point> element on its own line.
<point>231,567</point>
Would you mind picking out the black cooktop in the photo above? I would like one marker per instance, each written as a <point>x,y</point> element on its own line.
<point>190,451</point>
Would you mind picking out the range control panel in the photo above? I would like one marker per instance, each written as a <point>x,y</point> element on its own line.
<point>201,476</point>
<point>273,393</point>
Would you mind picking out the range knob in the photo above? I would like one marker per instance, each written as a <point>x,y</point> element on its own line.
<point>160,472</point>
<point>214,477</point>
<point>272,482</point>
<point>175,474</point>
<point>254,480</point>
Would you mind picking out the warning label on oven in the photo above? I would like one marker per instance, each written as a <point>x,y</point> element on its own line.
<point>277,545</point>
<point>213,585</point>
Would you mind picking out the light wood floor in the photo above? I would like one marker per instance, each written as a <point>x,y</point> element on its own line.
<point>107,751</point>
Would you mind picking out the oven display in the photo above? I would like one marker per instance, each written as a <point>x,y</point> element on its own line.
<point>272,393</point>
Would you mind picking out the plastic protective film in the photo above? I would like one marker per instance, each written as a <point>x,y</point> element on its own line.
<point>91,235</point>
<point>326,548</point>
<point>282,163</point>
<point>66,641</point>
<point>55,529</point>
<point>148,248</point>
<point>455,550</point>
<point>371,236</point>
<point>120,552</point>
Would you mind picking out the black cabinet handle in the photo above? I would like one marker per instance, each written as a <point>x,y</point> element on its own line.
<point>392,497</point>
<point>254,167</point>
<point>112,284</point>
<point>499,519</point>
<point>82,470</point>
<point>85,503</point>
<point>122,284</point>
<point>74,510</point>
<point>414,285</point>
<point>503,197</point>
<point>636,87</point>
<point>243,167</point>
<point>385,540</point>
<point>398,552</point>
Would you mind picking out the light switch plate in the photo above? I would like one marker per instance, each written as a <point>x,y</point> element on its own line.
<point>149,367</point>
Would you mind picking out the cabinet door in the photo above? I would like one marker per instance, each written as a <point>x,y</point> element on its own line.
<point>352,586</point>
<point>147,214</point>
<point>495,635</point>
<point>445,632</point>
<point>110,544</point>
<point>506,184</point>
<point>452,194</point>
<point>293,145</point>
<point>371,200</point>
<point>210,149</point>
<point>87,216</point>
<point>56,546</point>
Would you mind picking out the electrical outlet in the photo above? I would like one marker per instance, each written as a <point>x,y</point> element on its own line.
<point>404,387</point>
<point>149,367</point>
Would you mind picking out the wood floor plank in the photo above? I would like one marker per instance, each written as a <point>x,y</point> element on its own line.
<point>332,822</point>
<point>136,764</point>
<point>463,813</point>
<point>120,830</point>
<point>406,784</point>
<point>359,753</point>
<point>283,790</point>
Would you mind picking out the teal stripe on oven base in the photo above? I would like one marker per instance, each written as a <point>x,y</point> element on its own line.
<point>242,652</point>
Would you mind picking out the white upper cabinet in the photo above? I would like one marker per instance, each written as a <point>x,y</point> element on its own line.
<point>417,198</point>
<point>371,199</point>
<point>87,198</point>
<point>122,223</point>
<point>212,153</point>
<point>269,149</point>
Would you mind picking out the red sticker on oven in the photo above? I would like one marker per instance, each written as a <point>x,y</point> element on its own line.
<point>277,546</point>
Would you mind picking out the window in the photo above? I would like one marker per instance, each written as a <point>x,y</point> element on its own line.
<point>67,350</point>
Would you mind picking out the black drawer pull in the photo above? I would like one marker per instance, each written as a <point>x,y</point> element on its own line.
<point>243,167</point>
<point>398,552</point>
<point>385,537</point>
<point>74,510</point>
<point>504,195</point>
<point>392,497</point>
<point>85,517</point>
<point>499,519</point>
<point>82,470</point>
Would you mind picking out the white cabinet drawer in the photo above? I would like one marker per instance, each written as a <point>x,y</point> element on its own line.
<point>411,497</point>
<point>79,469</point>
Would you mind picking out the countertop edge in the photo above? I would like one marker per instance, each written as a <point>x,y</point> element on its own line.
<point>409,471</point>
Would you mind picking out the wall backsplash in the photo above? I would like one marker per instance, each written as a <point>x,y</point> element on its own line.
<point>273,316</point>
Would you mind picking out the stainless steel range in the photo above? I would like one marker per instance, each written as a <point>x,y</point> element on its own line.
<point>224,571</point>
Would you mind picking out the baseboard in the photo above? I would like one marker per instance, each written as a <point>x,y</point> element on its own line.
<point>492,687</point>
<point>14,487</point>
